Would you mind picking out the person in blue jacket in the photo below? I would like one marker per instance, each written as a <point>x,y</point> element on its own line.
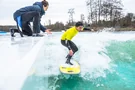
<point>28,14</point>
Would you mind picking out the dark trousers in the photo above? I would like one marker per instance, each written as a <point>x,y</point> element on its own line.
<point>26,19</point>
<point>72,45</point>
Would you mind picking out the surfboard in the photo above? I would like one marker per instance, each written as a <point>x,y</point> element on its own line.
<point>70,69</point>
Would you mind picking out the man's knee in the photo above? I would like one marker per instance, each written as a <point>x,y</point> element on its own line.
<point>75,49</point>
<point>26,29</point>
<point>27,33</point>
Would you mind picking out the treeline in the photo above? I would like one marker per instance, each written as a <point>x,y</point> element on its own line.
<point>6,27</point>
<point>58,26</point>
<point>107,10</point>
<point>108,13</point>
<point>126,21</point>
<point>123,22</point>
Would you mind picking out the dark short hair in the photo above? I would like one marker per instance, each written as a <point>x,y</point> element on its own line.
<point>79,24</point>
<point>45,3</point>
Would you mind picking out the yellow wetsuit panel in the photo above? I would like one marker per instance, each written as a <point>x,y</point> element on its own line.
<point>69,34</point>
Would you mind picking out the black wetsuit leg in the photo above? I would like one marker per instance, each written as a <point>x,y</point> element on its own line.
<point>71,46</point>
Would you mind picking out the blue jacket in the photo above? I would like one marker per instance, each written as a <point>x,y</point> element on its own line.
<point>37,6</point>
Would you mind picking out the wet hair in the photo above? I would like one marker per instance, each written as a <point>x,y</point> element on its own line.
<point>45,3</point>
<point>79,24</point>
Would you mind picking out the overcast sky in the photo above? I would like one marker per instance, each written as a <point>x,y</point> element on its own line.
<point>58,9</point>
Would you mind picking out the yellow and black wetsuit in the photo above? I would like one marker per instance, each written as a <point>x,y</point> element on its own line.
<point>66,41</point>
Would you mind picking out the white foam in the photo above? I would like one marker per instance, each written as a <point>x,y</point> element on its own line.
<point>90,55</point>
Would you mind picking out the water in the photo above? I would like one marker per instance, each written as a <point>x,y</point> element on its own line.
<point>107,63</point>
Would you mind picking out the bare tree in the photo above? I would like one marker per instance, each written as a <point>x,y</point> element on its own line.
<point>90,5</point>
<point>49,21</point>
<point>99,9</point>
<point>82,18</point>
<point>94,10</point>
<point>71,12</point>
<point>108,10</point>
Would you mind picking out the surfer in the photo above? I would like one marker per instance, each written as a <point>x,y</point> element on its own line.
<point>67,37</point>
<point>28,14</point>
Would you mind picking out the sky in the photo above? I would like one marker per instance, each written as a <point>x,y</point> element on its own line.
<point>57,11</point>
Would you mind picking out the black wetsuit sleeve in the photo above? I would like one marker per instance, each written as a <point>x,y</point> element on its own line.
<point>68,44</point>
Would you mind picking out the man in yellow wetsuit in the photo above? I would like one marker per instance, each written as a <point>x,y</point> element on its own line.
<point>66,40</point>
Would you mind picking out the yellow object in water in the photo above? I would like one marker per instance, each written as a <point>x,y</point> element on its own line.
<point>70,69</point>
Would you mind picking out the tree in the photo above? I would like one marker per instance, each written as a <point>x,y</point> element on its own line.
<point>107,10</point>
<point>82,18</point>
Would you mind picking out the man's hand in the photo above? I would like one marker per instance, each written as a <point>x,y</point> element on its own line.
<point>48,31</point>
<point>70,52</point>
